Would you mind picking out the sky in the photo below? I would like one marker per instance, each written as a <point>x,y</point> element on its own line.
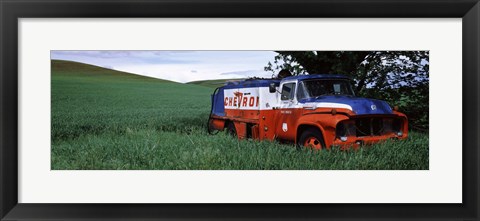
<point>178,66</point>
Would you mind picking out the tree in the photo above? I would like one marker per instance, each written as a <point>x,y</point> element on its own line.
<point>399,77</point>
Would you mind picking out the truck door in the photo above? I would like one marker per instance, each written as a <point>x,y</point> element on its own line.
<point>288,113</point>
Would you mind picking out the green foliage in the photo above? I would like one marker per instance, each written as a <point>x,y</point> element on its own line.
<point>104,119</point>
<point>399,77</point>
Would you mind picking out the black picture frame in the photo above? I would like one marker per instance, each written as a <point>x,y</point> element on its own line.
<point>12,10</point>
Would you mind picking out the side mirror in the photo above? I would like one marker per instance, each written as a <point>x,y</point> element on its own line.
<point>272,88</point>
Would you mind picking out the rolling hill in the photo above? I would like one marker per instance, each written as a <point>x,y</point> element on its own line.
<point>82,70</point>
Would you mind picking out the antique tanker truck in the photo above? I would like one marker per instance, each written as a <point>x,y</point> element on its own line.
<point>317,111</point>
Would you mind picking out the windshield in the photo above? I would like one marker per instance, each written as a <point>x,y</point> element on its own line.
<point>321,87</point>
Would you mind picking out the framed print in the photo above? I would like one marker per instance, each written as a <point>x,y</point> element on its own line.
<point>239,110</point>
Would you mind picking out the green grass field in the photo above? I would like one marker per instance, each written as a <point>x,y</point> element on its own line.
<point>105,119</point>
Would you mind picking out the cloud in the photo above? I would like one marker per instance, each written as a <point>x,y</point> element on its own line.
<point>179,66</point>
<point>150,57</point>
<point>249,73</point>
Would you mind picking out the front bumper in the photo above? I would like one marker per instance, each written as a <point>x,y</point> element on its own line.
<point>366,130</point>
<point>355,142</point>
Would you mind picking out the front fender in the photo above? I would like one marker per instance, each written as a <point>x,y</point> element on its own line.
<point>325,122</point>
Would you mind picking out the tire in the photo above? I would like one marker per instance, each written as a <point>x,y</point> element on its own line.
<point>231,129</point>
<point>210,128</point>
<point>311,138</point>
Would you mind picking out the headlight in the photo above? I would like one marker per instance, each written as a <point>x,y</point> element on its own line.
<point>345,129</point>
<point>341,131</point>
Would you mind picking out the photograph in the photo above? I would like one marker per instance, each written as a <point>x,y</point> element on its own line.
<point>228,110</point>
<point>239,110</point>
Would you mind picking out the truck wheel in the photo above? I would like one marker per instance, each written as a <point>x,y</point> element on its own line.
<point>231,129</point>
<point>311,138</point>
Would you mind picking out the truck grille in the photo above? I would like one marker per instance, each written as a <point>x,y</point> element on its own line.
<point>369,126</point>
<point>376,126</point>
